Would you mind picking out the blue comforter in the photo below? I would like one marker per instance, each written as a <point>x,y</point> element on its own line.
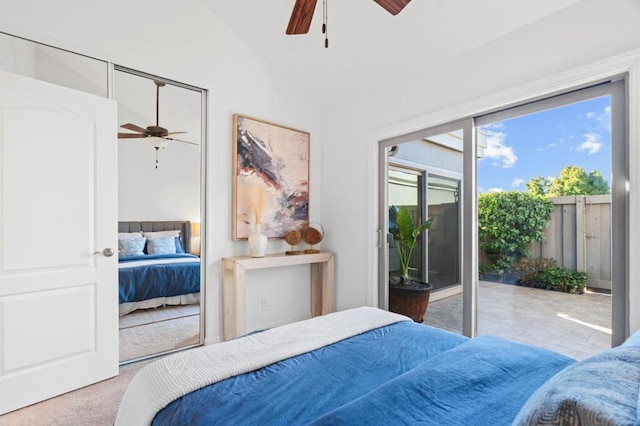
<point>405,373</point>
<point>145,282</point>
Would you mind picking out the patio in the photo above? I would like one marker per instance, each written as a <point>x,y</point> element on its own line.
<point>575,325</point>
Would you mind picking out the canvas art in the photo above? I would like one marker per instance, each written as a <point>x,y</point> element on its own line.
<point>270,178</point>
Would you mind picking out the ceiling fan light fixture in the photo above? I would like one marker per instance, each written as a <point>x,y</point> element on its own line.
<point>156,142</point>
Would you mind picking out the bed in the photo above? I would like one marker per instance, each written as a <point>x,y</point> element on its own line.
<point>367,367</point>
<point>155,266</point>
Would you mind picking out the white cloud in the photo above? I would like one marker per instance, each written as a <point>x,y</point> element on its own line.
<point>517,182</point>
<point>603,119</point>
<point>552,145</point>
<point>495,190</point>
<point>493,127</point>
<point>592,143</point>
<point>497,148</point>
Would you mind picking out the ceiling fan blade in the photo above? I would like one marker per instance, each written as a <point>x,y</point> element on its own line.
<point>183,141</point>
<point>130,136</point>
<point>176,133</point>
<point>133,127</point>
<point>301,16</point>
<point>393,6</point>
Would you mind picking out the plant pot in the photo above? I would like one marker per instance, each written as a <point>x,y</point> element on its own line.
<point>410,299</point>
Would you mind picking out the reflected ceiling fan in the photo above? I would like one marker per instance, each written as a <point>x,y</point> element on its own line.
<point>156,136</point>
<point>302,15</point>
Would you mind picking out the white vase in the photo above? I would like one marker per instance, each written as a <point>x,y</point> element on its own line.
<point>257,243</point>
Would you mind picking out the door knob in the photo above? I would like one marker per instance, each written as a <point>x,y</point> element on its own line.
<point>108,252</point>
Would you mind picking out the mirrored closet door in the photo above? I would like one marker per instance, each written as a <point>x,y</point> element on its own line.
<point>159,209</point>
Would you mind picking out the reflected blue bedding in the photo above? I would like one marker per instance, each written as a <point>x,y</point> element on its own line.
<point>150,276</point>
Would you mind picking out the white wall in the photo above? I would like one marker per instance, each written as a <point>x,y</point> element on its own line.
<point>186,42</point>
<point>582,34</point>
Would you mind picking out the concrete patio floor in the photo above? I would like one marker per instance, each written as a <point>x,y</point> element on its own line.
<point>575,325</point>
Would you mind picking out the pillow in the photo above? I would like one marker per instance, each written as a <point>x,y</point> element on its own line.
<point>164,245</point>
<point>159,234</point>
<point>131,246</point>
<point>179,248</point>
<point>129,235</point>
<point>602,389</point>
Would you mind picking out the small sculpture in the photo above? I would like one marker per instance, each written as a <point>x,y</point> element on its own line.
<point>312,236</point>
<point>293,238</point>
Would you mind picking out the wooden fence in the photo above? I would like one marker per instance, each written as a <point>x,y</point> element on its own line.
<point>579,237</point>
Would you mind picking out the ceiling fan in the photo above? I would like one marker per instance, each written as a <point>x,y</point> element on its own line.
<point>302,14</point>
<point>157,136</point>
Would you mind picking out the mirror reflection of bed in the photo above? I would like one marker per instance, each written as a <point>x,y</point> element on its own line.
<point>158,288</point>
<point>159,215</point>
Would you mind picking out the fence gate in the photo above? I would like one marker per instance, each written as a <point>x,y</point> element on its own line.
<point>579,237</point>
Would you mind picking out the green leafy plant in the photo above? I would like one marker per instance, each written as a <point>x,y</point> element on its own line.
<point>405,234</point>
<point>531,269</point>
<point>562,279</point>
<point>484,269</point>
<point>508,222</point>
<point>546,274</point>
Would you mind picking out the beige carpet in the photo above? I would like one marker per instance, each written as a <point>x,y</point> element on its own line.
<point>148,316</point>
<point>158,337</point>
<point>94,405</point>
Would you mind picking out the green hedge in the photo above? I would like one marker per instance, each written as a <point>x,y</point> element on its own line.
<point>508,222</point>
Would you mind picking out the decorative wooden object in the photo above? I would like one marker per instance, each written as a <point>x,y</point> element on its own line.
<point>312,236</point>
<point>233,285</point>
<point>293,238</point>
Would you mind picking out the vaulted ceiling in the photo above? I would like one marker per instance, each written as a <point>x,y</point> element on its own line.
<point>368,46</point>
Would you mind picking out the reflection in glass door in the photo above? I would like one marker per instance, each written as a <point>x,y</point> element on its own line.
<point>405,190</point>
<point>443,204</point>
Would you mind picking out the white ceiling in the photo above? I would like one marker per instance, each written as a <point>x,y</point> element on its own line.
<point>368,46</point>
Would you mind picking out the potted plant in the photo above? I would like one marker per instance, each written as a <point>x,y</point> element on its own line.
<point>407,296</point>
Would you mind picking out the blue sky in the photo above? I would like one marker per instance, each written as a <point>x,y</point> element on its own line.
<point>542,144</point>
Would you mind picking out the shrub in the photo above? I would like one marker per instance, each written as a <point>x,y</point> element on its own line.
<point>484,269</point>
<point>563,279</point>
<point>508,222</point>
<point>545,274</point>
<point>531,269</point>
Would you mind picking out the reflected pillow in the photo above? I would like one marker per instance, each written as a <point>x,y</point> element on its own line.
<point>161,234</point>
<point>129,235</point>
<point>179,248</point>
<point>131,246</point>
<point>165,245</point>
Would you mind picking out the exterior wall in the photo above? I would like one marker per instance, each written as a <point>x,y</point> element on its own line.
<point>431,155</point>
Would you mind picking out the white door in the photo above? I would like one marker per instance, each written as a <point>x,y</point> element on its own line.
<point>58,205</point>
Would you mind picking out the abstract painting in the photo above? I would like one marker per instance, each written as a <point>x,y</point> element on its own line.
<point>270,178</point>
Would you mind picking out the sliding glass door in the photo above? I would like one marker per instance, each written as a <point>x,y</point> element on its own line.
<point>565,156</point>
<point>443,166</point>
<point>416,180</point>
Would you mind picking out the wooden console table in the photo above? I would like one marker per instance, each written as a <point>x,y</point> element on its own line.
<point>233,285</point>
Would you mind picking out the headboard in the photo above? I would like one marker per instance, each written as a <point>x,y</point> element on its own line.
<point>184,227</point>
